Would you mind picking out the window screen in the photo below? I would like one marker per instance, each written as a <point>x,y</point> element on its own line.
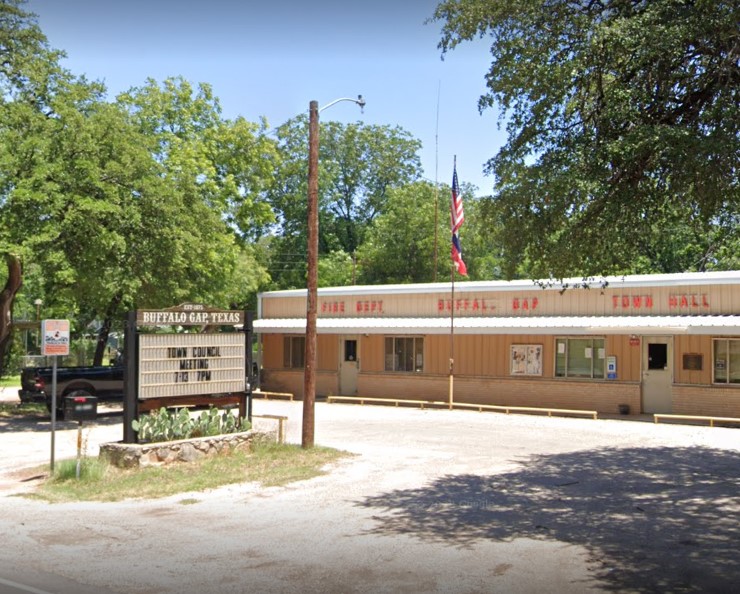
<point>404,353</point>
<point>294,351</point>
<point>580,357</point>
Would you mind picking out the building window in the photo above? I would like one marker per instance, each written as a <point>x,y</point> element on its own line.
<point>294,352</point>
<point>726,361</point>
<point>580,357</point>
<point>404,353</point>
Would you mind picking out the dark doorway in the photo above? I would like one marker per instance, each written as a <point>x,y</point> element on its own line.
<point>350,350</point>
<point>657,356</point>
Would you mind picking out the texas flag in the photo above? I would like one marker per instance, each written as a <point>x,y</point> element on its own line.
<point>457,220</point>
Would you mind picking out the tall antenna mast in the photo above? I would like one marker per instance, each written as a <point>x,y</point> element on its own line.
<point>436,181</point>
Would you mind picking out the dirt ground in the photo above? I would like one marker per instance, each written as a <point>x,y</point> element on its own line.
<point>434,501</point>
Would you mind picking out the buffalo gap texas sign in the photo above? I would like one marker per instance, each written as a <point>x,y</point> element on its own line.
<point>191,364</point>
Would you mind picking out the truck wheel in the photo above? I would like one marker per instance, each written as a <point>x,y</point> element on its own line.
<point>60,412</point>
<point>83,393</point>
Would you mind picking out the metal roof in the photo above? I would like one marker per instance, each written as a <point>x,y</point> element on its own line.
<point>718,325</point>
<point>611,282</point>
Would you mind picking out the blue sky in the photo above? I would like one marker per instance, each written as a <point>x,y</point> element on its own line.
<point>271,58</point>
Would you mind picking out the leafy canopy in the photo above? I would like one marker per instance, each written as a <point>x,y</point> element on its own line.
<point>359,165</point>
<point>622,119</point>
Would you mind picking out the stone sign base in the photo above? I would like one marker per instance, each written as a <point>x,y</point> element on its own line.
<point>132,455</point>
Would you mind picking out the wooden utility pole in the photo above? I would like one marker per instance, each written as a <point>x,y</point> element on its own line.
<point>312,274</point>
<point>309,377</point>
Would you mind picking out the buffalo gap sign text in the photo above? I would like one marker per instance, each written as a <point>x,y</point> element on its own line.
<point>191,364</point>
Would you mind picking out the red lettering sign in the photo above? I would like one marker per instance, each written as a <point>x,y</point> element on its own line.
<point>632,302</point>
<point>688,300</point>
<point>370,306</point>
<point>524,303</point>
<point>332,307</point>
<point>463,305</point>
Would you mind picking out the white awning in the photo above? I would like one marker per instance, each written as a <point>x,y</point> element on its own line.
<point>716,325</point>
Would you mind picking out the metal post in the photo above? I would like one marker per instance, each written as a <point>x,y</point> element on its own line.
<point>251,377</point>
<point>53,409</point>
<point>79,449</point>
<point>452,336</point>
<point>309,378</point>
<point>130,370</point>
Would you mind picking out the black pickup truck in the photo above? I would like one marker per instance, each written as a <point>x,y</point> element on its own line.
<point>104,382</point>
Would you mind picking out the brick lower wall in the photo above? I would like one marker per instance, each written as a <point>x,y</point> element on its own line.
<point>603,397</point>
<point>715,401</point>
<point>273,380</point>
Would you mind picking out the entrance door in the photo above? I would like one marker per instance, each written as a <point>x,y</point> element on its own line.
<point>657,374</point>
<point>349,365</point>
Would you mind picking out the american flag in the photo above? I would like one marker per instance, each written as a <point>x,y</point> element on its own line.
<point>457,220</point>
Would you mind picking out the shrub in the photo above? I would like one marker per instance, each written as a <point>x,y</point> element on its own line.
<point>166,425</point>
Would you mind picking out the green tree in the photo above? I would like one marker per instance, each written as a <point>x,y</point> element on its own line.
<point>142,202</point>
<point>337,269</point>
<point>31,80</point>
<point>482,246</point>
<point>225,164</point>
<point>200,197</point>
<point>358,166</point>
<point>399,247</point>
<point>622,121</point>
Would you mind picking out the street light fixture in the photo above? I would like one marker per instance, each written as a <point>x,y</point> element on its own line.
<point>37,302</point>
<point>309,377</point>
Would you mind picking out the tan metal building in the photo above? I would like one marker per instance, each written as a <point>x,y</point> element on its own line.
<point>667,343</point>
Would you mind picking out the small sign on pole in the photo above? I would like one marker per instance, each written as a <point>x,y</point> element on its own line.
<point>55,337</point>
<point>54,342</point>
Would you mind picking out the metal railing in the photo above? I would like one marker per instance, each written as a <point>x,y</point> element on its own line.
<point>481,407</point>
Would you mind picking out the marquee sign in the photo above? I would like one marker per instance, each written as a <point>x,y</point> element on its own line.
<point>172,368</point>
<point>191,364</point>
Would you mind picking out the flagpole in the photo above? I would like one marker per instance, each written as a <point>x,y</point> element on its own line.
<point>452,309</point>
<point>452,333</point>
<point>457,217</point>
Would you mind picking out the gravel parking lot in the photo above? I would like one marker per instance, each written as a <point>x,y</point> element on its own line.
<point>434,501</point>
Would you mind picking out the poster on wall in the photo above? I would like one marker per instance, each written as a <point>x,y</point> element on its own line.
<point>526,359</point>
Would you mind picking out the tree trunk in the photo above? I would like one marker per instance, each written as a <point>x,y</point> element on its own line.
<point>105,329</point>
<point>7,296</point>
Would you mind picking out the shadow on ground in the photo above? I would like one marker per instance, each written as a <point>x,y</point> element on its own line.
<point>655,519</point>
<point>41,422</point>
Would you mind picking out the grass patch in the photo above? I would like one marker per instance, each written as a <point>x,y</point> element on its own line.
<point>91,470</point>
<point>189,501</point>
<point>267,464</point>
<point>9,410</point>
<point>10,381</point>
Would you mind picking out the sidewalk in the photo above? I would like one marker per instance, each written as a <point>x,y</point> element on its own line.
<point>10,394</point>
